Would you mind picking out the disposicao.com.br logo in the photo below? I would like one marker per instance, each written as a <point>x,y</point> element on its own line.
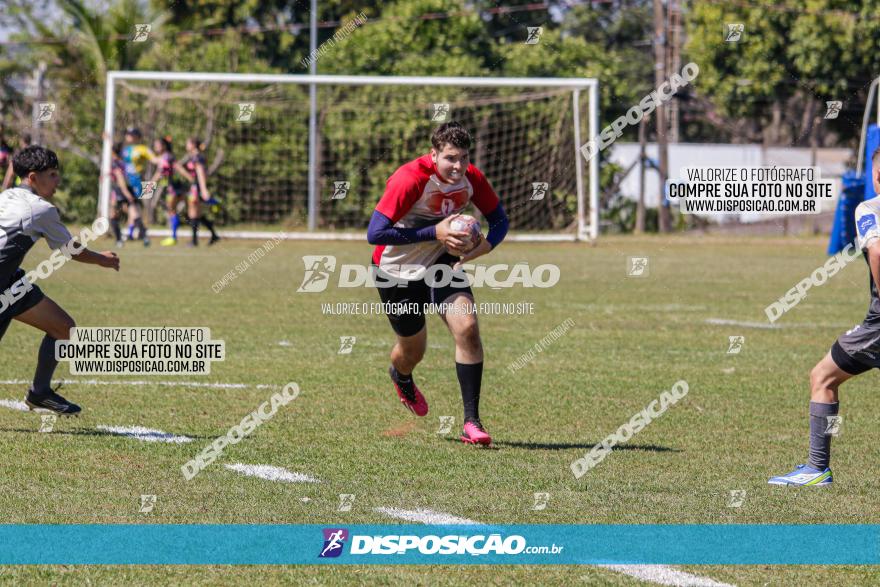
<point>320,268</point>
<point>452,544</point>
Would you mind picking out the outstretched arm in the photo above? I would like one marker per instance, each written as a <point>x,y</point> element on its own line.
<point>107,259</point>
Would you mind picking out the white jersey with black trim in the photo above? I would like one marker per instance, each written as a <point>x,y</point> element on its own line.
<point>24,218</point>
<point>867,231</point>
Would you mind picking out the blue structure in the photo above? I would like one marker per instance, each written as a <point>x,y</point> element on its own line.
<point>856,188</point>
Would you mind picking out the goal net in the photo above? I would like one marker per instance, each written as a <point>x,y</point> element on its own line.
<point>255,128</point>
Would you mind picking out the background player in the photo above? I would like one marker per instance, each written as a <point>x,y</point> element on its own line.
<point>851,354</point>
<point>166,165</point>
<point>26,214</point>
<point>410,226</point>
<point>198,190</point>
<point>122,199</point>
<point>136,156</point>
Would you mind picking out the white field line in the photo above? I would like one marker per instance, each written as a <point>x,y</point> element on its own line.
<point>663,575</point>
<point>136,432</point>
<point>139,383</point>
<point>768,326</point>
<point>723,322</point>
<point>14,404</point>
<point>657,574</point>
<point>144,434</point>
<point>429,517</point>
<point>271,473</point>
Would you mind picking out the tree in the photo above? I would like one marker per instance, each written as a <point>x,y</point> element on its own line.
<point>771,86</point>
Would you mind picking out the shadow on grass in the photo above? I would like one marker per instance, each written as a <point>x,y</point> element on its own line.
<point>578,445</point>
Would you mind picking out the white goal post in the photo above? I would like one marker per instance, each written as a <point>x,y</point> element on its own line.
<point>582,220</point>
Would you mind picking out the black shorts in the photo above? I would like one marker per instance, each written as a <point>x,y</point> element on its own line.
<point>23,304</point>
<point>858,350</point>
<point>415,296</point>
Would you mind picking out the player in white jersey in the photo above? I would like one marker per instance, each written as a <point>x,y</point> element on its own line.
<point>26,214</point>
<point>853,353</point>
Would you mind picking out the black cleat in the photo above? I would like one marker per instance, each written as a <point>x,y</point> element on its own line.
<point>213,240</point>
<point>51,401</point>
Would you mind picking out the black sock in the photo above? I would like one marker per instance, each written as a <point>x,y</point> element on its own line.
<point>142,230</point>
<point>210,226</point>
<point>46,364</point>
<point>469,378</point>
<point>195,228</point>
<point>404,381</point>
<point>820,442</point>
<point>117,232</point>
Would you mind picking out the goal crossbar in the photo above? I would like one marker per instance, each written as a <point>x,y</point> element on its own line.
<point>586,229</point>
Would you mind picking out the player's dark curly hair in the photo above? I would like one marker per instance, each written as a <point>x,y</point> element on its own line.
<point>33,158</point>
<point>451,133</point>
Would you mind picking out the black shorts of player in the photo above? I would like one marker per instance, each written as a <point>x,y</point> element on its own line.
<point>416,295</point>
<point>23,304</point>
<point>858,350</point>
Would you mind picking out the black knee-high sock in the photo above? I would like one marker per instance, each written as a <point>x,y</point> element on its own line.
<point>195,228</point>
<point>46,364</point>
<point>142,230</point>
<point>469,378</point>
<point>210,226</point>
<point>404,381</point>
<point>117,232</point>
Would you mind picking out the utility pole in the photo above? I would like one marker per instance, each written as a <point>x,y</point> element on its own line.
<point>643,158</point>
<point>659,78</point>
<point>37,89</point>
<point>674,61</point>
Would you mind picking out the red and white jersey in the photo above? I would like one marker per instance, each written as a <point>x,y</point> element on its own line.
<point>414,197</point>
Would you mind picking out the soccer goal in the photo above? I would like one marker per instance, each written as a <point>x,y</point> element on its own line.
<point>271,178</point>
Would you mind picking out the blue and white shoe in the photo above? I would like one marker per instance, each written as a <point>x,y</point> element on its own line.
<point>802,476</point>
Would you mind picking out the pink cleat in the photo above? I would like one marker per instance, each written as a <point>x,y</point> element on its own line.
<point>474,433</point>
<point>414,402</point>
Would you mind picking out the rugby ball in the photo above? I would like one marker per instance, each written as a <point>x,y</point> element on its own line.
<point>468,224</point>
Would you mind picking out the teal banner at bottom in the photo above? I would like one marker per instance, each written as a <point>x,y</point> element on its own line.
<point>197,544</point>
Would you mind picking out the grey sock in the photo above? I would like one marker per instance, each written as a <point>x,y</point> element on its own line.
<point>820,443</point>
<point>46,364</point>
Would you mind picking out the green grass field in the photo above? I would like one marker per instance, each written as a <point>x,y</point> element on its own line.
<point>743,420</point>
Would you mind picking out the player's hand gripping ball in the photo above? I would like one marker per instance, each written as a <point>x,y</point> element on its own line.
<point>470,225</point>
